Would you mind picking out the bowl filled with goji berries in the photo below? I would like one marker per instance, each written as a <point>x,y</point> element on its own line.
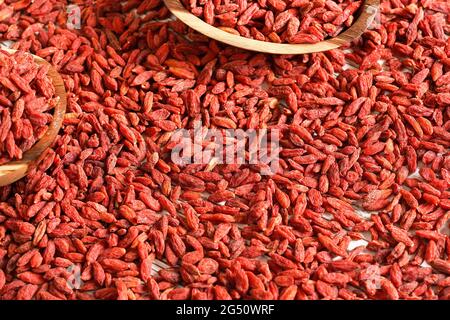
<point>278,26</point>
<point>32,107</point>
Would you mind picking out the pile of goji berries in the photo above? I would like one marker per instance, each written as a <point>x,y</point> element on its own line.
<point>298,21</point>
<point>362,128</point>
<point>26,97</point>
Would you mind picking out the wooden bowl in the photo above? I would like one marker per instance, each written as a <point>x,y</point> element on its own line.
<point>14,170</point>
<point>368,13</point>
